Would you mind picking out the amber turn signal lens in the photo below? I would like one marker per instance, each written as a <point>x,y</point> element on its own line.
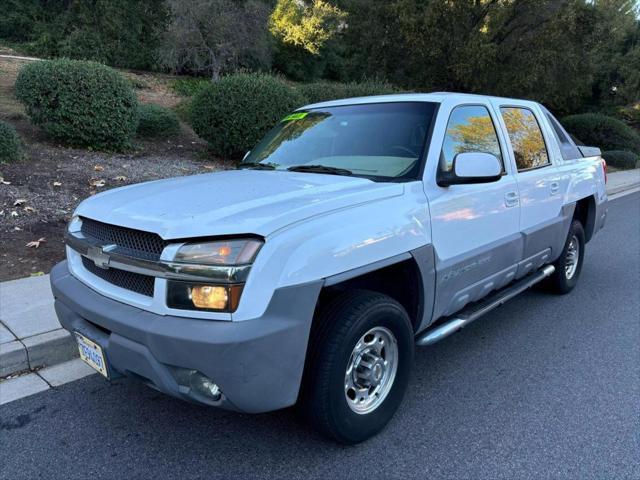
<point>213,298</point>
<point>221,298</point>
<point>210,297</point>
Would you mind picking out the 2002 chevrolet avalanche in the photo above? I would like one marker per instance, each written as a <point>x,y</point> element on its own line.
<point>355,230</point>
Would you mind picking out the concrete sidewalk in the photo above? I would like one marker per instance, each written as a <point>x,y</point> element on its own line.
<point>31,337</point>
<point>623,180</point>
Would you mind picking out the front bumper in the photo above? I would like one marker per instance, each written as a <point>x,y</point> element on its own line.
<point>258,364</point>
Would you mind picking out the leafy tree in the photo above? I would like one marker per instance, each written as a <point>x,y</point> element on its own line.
<point>616,54</point>
<point>215,36</point>
<point>308,25</point>
<point>121,33</point>
<point>372,44</point>
<point>548,50</point>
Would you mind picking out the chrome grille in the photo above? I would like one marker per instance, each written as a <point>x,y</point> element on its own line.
<point>135,243</point>
<point>142,284</point>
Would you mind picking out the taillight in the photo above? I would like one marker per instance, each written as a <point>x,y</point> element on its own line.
<point>604,169</point>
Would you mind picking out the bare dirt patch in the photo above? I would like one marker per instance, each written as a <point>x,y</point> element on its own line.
<point>44,189</point>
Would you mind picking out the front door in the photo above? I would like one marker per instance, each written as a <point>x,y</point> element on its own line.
<point>475,228</point>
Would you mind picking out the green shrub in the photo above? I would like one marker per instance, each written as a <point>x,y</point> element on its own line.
<point>369,87</point>
<point>322,91</point>
<point>189,87</point>
<point>10,144</point>
<point>79,103</point>
<point>601,131</point>
<point>235,112</point>
<point>622,160</point>
<point>155,121</point>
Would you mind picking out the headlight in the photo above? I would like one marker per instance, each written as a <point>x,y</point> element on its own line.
<point>223,252</point>
<point>214,296</point>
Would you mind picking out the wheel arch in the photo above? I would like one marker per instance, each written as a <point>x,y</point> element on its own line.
<point>408,278</point>
<point>585,213</point>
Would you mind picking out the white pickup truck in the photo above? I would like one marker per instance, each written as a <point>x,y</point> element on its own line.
<point>354,231</point>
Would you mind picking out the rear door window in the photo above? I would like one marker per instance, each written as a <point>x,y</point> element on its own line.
<point>526,138</point>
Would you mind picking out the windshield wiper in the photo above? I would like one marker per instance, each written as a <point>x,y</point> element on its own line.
<point>257,166</point>
<point>320,169</point>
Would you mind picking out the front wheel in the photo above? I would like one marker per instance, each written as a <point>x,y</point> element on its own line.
<point>569,264</point>
<point>359,364</point>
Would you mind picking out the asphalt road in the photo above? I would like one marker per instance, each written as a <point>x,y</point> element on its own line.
<point>544,387</point>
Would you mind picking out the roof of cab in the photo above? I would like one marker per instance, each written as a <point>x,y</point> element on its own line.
<point>437,97</point>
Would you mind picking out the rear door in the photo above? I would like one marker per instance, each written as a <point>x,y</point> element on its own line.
<point>533,153</point>
<point>475,227</point>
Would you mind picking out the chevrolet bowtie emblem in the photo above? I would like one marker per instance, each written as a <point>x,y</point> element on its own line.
<point>100,255</point>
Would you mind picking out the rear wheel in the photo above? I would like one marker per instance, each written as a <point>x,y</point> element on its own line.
<point>569,264</point>
<point>359,364</point>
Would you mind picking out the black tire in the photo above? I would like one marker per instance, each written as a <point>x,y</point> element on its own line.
<point>340,325</point>
<point>560,282</point>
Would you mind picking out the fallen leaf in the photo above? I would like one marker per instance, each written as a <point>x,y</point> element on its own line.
<point>120,178</point>
<point>208,167</point>
<point>14,213</point>
<point>17,229</point>
<point>97,182</point>
<point>20,201</point>
<point>29,209</point>
<point>57,184</point>
<point>98,168</point>
<point>36,243</point>
<point>2,181</point>
<point>37,274</point>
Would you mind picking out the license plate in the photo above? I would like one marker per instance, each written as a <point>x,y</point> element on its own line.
<point>91,353</point>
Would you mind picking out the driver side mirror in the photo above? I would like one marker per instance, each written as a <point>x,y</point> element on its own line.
<point>472,167</point>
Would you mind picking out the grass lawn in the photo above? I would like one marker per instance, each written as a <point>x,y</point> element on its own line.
<point>38,195</point>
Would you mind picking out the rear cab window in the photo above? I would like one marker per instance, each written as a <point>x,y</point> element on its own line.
<point>568,148</point>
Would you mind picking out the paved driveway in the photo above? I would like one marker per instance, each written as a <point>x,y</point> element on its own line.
<point>544,387</point>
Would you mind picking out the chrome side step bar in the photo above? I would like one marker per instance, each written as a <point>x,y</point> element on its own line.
<point>468,315</point>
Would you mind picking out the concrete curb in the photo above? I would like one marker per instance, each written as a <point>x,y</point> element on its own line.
<point>38,351</point>
<point>13,358</point>
<point>50,348</point>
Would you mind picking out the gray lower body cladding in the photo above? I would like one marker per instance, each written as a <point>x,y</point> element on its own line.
<point>258,364</point>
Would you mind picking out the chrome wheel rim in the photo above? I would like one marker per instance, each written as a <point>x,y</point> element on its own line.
<point>371,370</point>
<point>571,258</point>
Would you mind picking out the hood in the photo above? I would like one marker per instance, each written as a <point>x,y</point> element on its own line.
<point>231,202</point>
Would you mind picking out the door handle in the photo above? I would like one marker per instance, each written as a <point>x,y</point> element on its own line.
<point>511,199</point>
<point>554,187</point>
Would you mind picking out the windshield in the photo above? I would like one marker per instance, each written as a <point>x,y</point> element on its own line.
<point>378,141</point>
